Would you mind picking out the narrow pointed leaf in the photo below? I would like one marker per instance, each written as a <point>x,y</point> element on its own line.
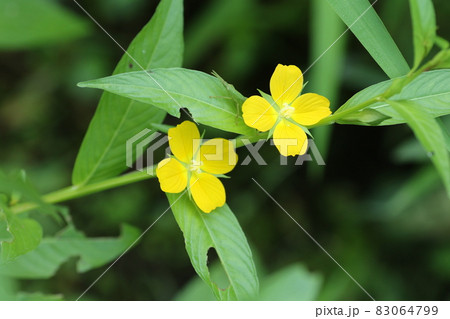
<point>205,96</point>
<point>424,28</point>
<point>446,132</point>
<point>430,90</point>
<point>117,119</point>
<point>366,25</point>
<point>430,135</point>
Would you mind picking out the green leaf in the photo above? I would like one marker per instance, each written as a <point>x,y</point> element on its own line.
<point>196,290</point>
<point>37,296</point>
<point>207,99</point>
<point>445,62</point>
<point>366,25</point>
<point>5,235</point>
<point>219,230</point>
<point>446,132</point>
<point>424,28</point>
<point>367,117</point>
<point>18,188</point>
<point>235,95</point>
<point>26,234</point>
<point>291,283</point>
<point>117,119</point>
<point>430,135</point>
<point>44,261</point>
<point>430,90</point>
<point>29,23</point>
<point>8,289</point>
<point>9,292</point>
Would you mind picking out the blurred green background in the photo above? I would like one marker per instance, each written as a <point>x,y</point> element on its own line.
<point>378,206</point>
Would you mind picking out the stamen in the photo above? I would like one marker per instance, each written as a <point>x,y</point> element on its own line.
<point>286,111</point>
<point>195,166</point>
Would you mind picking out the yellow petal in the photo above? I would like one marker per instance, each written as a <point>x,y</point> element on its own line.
<point>208,191</point>
<point>310,108</point>
<point>172,175</point>
<point>184,141</point>
<point>217,156</point>
<point>286,84</point>
<point>258,113</point>
<point>290,139</point>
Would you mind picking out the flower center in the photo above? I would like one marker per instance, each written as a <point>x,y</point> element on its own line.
<point>286,111</point>
<point>195,166</point>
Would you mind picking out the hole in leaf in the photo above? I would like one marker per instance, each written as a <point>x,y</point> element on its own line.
<point>217,273</point>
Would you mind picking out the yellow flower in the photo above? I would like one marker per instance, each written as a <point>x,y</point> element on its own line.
<point>287,111</point>
<point>196,165</point>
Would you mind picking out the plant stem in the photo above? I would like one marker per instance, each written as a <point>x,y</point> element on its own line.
<point>332,118</point>
<point>75,191</point>
<point>394,89</point>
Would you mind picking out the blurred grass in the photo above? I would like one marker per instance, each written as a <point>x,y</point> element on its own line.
<point>325,75</point>
<point>379,210</point>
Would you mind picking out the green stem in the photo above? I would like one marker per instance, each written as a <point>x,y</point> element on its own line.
<point>338,115</point>
<point>75,191</point>
<point>395,88</point>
